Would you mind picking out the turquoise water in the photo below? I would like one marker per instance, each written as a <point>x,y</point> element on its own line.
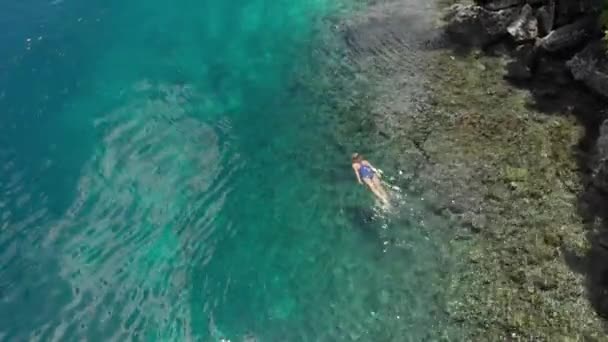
<point>171,171</point>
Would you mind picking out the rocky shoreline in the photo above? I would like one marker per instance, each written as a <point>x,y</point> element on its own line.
<point>539,32</point>
<point>499,128</point>
<point>554,47</point>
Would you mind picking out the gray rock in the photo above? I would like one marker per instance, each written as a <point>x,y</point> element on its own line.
<point>525,27</point>
<point>464,23</point>
<point>570,35</point>
<point>590,66</point>
<point>496,23</point>
<point>497,5</point>
<point>546,18</point>
<point>475,25</point>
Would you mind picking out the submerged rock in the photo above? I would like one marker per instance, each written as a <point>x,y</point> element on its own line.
<point>387,28</point>
<point>570,35</point>
<point>590,66</point>
<point>475,25</point>
<point>525,27</point>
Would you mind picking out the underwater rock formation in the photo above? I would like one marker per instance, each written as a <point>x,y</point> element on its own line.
<point>590,66</point>
<point>476,25</point>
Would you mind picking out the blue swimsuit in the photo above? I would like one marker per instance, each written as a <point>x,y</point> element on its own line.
<point>366,172</point>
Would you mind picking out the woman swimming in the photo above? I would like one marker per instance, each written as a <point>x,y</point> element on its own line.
<point>367,174</point>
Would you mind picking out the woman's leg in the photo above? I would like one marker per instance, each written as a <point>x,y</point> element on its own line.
<point>374,189</point>
<point>380,188</point>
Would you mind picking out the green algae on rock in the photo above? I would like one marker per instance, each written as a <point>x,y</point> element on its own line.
<point>519,281</point>
<point>507,166</point>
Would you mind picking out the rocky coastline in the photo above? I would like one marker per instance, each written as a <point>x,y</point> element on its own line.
<point>497,110</point>
<point>556,48</point>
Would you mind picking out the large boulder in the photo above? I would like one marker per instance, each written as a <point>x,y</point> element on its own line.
<point>569,10</point>
<point>546,18</point>
<point>525,27</point>
<point>570,35</point>
<point>475,25</point>
<point>590,66</point>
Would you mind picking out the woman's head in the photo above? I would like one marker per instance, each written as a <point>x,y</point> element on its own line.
<point>357,158</point>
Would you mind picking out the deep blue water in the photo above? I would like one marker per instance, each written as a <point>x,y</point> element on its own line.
<point>169,172</point>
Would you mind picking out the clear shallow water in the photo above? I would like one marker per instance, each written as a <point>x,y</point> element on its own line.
<point>170,172</point>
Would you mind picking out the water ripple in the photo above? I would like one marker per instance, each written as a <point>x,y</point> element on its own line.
<point>146,206</point>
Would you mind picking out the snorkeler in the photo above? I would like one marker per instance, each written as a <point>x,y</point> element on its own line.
<point>365,172</point>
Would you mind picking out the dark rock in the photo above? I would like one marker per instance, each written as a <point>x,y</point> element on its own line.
<point>554,70</point>
<point>600,174</point>
<point>602,305</point>
<point>501,48</point>
<point>552,75</point>
<point>497,5</point>
<point>475,25</point>
<point>590,66</point>
<point>501,4</point>
<point>384,134</point>
<point>520,68</point>
<point>464,24</point>
<point>525,27</point>
<point>602,240</point>
<point>537,3</point>
<point>570,10</point>
<point>518,71</point>
<point>496,23</point>
<point>570,35</point>
<point>546,18</point>
<point>547,92</point>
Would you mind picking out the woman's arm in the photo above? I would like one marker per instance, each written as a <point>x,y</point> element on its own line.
<point>357,174</point>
